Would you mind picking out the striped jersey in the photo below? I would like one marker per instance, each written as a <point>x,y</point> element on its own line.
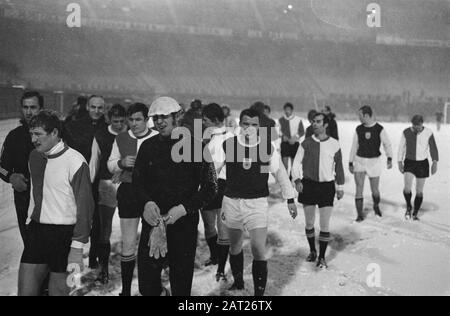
<point>416,146</point>
<point>319,161</point>
<point>126,144</point>
<point>292,127</point>
<point>61,192</point>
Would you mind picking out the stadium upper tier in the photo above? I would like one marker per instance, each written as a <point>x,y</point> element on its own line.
<point>410,19</point>
<point>56,57</point>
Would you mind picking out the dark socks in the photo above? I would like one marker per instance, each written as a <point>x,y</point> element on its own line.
<point>128,264</point>
<point>418,204</point>
<point>222,257</point>
<point>212,245</point>
<point>376,200</point>
<point>104,250</point>
<point>237,268</point>
<point>408,197</point>
<point>324,239</point>
<point>311,236</point>
<point>259,271</point>
<point>360,207</point>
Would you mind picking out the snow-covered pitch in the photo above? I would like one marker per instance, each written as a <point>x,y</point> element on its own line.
<point>387,256</point>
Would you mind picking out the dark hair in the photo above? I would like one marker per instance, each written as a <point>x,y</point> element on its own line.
<point>196,104</point>
<point>366,110</point>
<point>33,94</point>
<point>417,120</point>
<point>117,110</point>
<point>288,105</point>
<point>214,112</point>
<point>327,108</point>
<point>188,119</point>
<point>82,101</point>
<point>266,107</point>
<point>136,108</point>
<point>48,120</point>
<point>311,114</point>
<point>326,119</point>
<point>250,113</point>
<point>258,106</point>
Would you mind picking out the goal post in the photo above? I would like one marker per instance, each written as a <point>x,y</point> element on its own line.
<point>446,107</point>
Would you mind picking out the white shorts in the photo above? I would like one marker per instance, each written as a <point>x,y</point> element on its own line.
<point>245,214</point>
<point>371,166</point>
<point>107,193</point>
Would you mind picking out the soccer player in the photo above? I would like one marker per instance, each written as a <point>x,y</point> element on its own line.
<point>14,157</point>
<point>215,230</point>
<point>61,210</point>
<point>171,191</point>
<point>122,160</point>
<point>292,130</point>
<point>248,159</point>
<point>316,171</point>
<point>365,159</point>
<point>107,203</point>
<point>415,145</point>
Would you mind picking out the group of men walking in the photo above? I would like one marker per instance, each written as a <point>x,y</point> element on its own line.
<point>69,178</point>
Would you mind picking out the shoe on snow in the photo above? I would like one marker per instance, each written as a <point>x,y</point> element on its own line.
<point>312,257</point>
<point>221,277</point>
<point>322,264</point>
<point>377,211</point>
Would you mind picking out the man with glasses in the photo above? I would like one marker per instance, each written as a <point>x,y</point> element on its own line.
<point>170,192</point>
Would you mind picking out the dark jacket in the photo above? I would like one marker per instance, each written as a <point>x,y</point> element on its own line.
<point>16,152</point>
<point>79,134</point>
<point>332,127</point>
<point>158,178</point>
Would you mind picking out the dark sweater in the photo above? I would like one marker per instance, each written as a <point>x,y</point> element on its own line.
<point>158,178</point>
<point>16,152</point>
<point>79,134</point>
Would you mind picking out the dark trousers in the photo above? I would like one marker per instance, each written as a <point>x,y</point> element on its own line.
<point>22,203</point>
<point>182,245</point>
<point>95,229</point>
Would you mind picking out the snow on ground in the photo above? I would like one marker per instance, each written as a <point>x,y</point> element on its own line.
<point>413,258</point>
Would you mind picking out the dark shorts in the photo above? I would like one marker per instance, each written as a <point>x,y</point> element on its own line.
<point>288,150</point>
<point>126,202</point>
<point>317,193</point>
<point>48,244</point>
<point>216,204</point>
<point>420,169</point>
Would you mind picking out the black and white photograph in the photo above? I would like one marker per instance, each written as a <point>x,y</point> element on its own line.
<point>225,149</point>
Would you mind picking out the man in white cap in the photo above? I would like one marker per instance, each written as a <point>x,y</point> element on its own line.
<point>170,193</point>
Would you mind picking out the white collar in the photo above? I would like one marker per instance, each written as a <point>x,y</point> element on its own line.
<point>140,135</point>
<point>56,149</point>
<point>318,140</point>
<point>110,129</point>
